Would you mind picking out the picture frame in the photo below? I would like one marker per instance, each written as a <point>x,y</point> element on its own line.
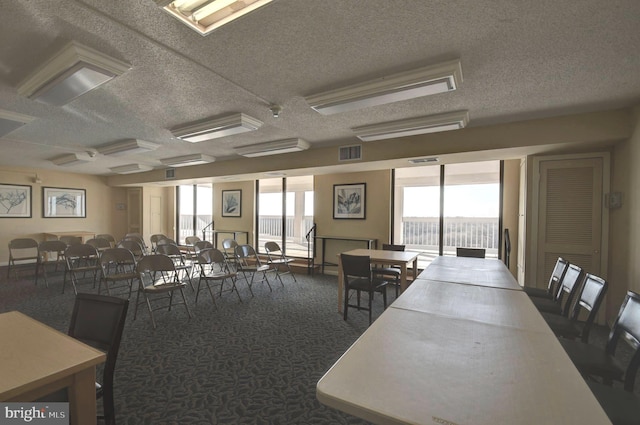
<point>232,203</point>
<point>60,202</point>
<point>15,201</point>
<point>349,201</point>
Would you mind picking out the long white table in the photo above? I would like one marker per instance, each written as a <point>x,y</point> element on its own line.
<point>460,353</point>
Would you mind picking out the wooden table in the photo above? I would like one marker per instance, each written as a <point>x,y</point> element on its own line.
<point>36,360</point>
<point>396,258</point>
<point>461,354</point>
<point>84,235</point>
<point>368,242</point>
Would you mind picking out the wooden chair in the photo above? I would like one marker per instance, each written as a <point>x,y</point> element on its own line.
<point>158,279</point>
<point>277,260</point>
<point>470,252</point>
<point>392,272</point>
<point>591,295</point>
<point>357,276</point>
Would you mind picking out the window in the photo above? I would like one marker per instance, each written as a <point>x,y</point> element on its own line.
<point>468,214</point>
<point>195,210</point>
<point>285,216</point>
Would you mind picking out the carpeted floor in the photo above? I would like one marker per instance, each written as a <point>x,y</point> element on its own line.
<point>255,362</point>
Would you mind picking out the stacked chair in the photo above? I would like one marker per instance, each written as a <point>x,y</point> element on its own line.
<point>569,305</point>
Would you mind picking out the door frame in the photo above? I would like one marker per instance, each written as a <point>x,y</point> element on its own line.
<point>535,191</point>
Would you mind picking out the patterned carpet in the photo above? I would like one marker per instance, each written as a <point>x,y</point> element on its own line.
<point>255,362</point>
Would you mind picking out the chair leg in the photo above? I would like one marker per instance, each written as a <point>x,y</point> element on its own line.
<point>346,304</point>
<point>185,303</point>
<point>370,306</point>
<point>384,297</point>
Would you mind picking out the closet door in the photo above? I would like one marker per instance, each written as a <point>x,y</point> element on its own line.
<point>570,207</point>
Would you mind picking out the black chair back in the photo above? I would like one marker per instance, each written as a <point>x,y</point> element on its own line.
<point>471,252</point>
<point>98,320</point>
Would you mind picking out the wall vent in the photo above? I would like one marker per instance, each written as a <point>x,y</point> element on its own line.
<point>350,153</point>
<point>170,173</point>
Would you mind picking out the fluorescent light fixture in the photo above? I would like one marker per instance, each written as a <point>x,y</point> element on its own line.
<point>72,159</point>
<point>73,71</point>
<point>424,160</point>
<point>204,16</point>
<point>213,128</point>
<point>412,127</point>
<point>128,147</point>
<point>425,81</point>
<point>273,148</point>
<point>10,121</point>
<point>130,169</point>
<point>181,161</point>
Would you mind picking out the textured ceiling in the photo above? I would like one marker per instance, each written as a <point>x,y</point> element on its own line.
<point>520,60</point>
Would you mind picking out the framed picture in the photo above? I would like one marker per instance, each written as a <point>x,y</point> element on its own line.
<point>231,203</point>
<point>349,200</point>
<point>59,202</point>
<point>15,201</point>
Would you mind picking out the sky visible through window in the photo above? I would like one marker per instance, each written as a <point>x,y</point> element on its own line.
<point>477,200</point>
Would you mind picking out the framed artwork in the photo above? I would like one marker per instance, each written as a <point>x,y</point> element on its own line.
<point>349,200</point>
<point>15,201</point>
<point>59,202</point>
<point>231,203</point>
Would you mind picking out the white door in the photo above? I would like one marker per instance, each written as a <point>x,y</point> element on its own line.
<point>570,208</point>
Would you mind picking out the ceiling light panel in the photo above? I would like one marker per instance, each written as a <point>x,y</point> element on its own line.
<point>10,121</point>
<point>128,147</point>
<point>204,16</point>
<point>72,159</point>
<point>425,81</point>
<point>130,169</point>
<point>73,71</point>
<point>214,128</point>
<point>185,160</point>
<point>412,127</point>
<point>273,148</point>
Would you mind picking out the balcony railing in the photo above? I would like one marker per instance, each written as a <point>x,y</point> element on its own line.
<point>418,233</point>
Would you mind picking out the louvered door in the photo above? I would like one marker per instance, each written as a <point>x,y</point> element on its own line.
<point>570,214</point>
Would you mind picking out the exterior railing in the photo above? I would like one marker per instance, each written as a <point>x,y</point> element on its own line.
<point>418,233</point>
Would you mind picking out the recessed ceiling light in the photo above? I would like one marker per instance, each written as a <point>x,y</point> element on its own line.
<point>72,159</point>
<point>204,16</point>
<point>412,127</point>
<point>273,148</point>
<point>73,71</point>
<point>10,121</point>
<point>128,147</point>
<point>184,160</point>
<point>424,160</point>
<point>425,81</point>
<point>130,168</point>
<point>213,128</point>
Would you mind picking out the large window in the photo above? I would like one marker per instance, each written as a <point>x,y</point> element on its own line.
<point>439,208</point>
<point>195,210</point>
<point>285,213</point>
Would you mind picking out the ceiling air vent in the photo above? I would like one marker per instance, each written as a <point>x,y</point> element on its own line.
<point>350,153</point>
<point>170,173</point>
